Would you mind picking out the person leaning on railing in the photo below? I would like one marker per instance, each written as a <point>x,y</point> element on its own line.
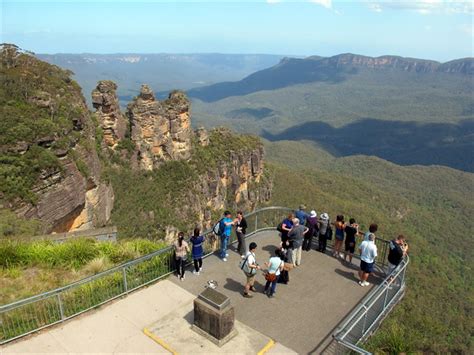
<point>398,249</point>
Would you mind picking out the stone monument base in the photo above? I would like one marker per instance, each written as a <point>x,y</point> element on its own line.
<point>218,342</point>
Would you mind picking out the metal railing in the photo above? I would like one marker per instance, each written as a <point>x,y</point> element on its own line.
<point>367,316</point>
<point>29,315</point>
<point>35,313</point>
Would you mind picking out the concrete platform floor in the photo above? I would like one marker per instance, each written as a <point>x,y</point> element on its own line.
<point>304,313</point>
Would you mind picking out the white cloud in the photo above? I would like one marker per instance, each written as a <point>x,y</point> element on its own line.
<point>325,3</point>
<point>424,7</point>
<point>273,1</point>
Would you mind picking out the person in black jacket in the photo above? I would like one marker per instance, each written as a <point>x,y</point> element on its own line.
<point>240,231</point>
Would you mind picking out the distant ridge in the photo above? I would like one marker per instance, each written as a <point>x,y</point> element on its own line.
<point>291,71</point>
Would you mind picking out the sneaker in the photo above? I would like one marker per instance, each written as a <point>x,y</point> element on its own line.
<point>182,278</point>
<point>196,272</point>
<point>226,255</point>
<point>365,283</point>
<point>269,295</point>
<point>242,256</point>
<point>247,295</point>
<point>224,259</point>
<point>361,283</point>
<point>200,269</point>
<point>253,289</point>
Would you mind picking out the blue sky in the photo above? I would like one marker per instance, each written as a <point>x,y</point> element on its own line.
<point>433,29</point>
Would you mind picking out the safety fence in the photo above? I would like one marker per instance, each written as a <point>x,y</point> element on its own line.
<point>34,313</point>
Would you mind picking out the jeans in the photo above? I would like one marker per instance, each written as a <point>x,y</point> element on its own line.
<point>241,247</point>
<point>223,250</point>
<point>322,243</point>
<point>308,240</point>
<point>197,264</point>
<point>180,266</point>
<point>274,285</point>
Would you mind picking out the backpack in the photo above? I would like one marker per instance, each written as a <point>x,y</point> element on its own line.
<point>243,264</point>
<point>329,232</point>
<point>280,227</point>
<point>219,227</point>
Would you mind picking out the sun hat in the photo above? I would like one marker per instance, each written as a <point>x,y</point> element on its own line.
<point>313,213</point>
<point>325,216</point>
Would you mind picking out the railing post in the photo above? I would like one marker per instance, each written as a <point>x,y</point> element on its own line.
<point>364,324</point>
<point>125,285</point>
<point>256,221</point>
<point>60,303</point>
<point>385,298</point>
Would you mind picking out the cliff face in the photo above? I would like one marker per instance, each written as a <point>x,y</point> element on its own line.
<point>51,171</point>
<point>161,131</point>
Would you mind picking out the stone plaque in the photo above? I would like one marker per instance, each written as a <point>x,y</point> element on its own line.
<point>214,298</point>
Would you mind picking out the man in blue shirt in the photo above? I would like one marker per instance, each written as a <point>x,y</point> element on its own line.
<point>301,215</point>
<point>225,236</point>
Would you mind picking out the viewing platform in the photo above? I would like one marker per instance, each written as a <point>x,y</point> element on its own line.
<point>322,310</point>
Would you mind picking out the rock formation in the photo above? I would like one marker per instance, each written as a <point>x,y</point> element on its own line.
<point>111,120</point>
<point>161,131</point>
<point>202,136</point>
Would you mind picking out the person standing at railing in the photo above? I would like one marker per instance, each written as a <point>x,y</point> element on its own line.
<point>339,225</point>
<point>312,224</point>
<point>181,251</point>
<point>240,230</point>
<point>295,237</point>
<point>372,229</point>
<point>368,253</point>
<point>301,214</point>
<point>398,249</point>
<point>226,227</point>
<point>197,251</point>
<point>351,230</point>
<point>286,226</point>
<point>323,224</point>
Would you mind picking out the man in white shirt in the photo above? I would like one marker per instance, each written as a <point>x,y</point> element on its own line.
<point>249,266</point>
<point>368,253</point>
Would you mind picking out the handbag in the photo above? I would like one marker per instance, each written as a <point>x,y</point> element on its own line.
<point>270,277</point>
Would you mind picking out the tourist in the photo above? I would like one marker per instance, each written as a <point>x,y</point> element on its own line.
<point>275,266</point>
<point>301,215</point>
<point>368,253</point>
<point>240,230</point>
<point>197,251</point>
<point>249,266</point>
<point>351,230</point>
<point>372,229</point>
<point>286,226</point>
<point>398,248</point>
<point>226,224</point>
<point>339,226</point>
<point>312,224</point>
<point>284,274</point>
<point>295,238</point>
<point>181,250</point>
<point>323,225</point>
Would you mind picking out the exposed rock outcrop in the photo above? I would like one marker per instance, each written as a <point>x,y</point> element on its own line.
<point>111,119</point>
<point>202,136</point>
<point>161,130</point>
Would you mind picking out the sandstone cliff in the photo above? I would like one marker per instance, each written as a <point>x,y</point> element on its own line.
<point>51,170</point>
<point>161,130</point>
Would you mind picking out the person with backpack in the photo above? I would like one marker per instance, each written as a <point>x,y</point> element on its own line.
<point>240,231</point>
<point>398,249</point>
<point>372,229</point>
<point>181,251</point>
<point>275,266</point>
<point>312,224</point>
<point>224,227</point>
<point>197,251</point>
<point>249,266</point>
<point>324,231</point>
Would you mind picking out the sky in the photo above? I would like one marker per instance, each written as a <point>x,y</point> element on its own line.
<point>432,29</point>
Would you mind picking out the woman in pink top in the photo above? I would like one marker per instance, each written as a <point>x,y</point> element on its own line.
<point>181,250</point>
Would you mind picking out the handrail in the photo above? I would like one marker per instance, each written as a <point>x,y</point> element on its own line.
<point>31,314</point>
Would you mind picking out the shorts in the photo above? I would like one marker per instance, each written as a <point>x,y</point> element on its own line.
<point>339,236</point>
<point>391,267</point>
<point>350,248</point>
<point>367,267</point>
<point>250,279</point>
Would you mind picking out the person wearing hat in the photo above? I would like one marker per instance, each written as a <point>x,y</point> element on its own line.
<point>301,215</point>
<point>312,224</point>
<point>249,266</point>
<point>323,224</point>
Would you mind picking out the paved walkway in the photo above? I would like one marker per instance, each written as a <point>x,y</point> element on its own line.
<point>301,316</point>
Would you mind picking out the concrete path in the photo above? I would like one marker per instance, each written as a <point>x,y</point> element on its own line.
<point>321,292</point>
